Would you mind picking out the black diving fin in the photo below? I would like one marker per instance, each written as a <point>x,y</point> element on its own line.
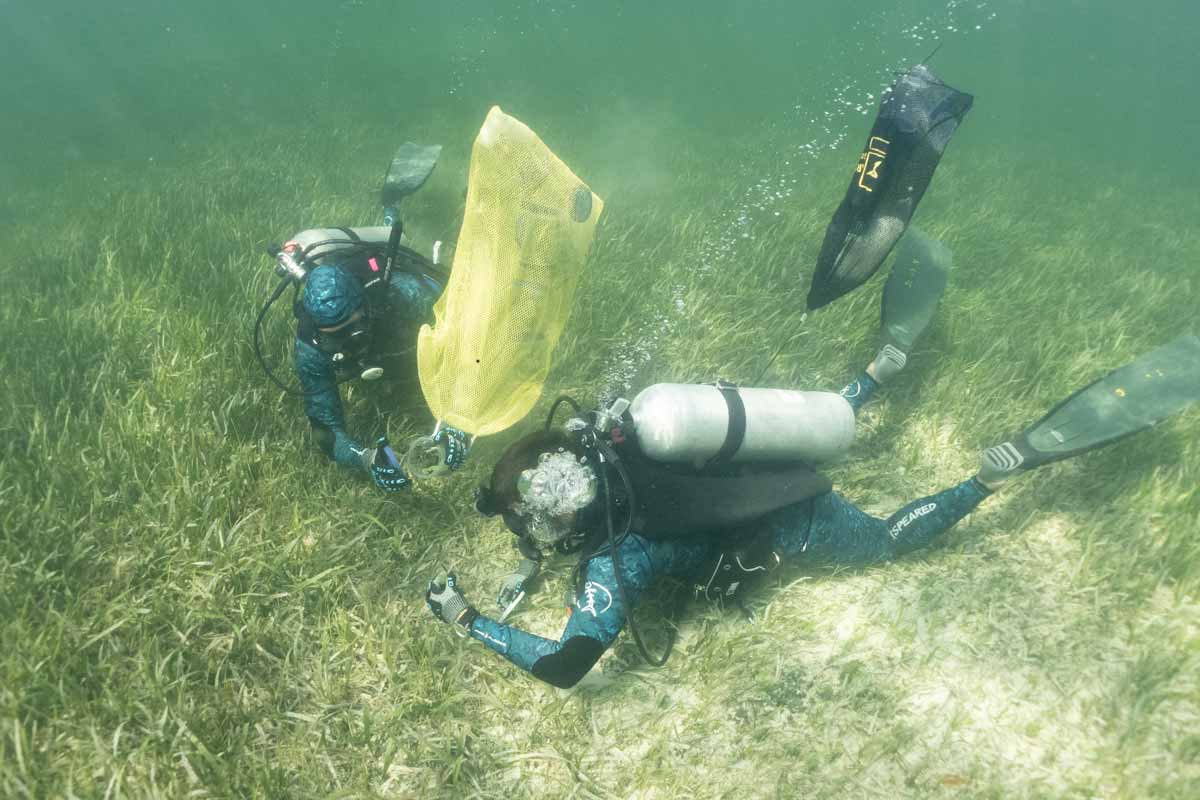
<point>409,169</point>
<point>917,116</point>
<point>1123,402</point>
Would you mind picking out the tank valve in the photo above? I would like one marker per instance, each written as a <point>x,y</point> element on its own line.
<point>287,266</point>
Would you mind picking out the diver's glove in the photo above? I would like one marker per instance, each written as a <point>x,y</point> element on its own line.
<point>514,585</point>
<point>455,443</point>
<point>385,468</point>
<point>448,604</point>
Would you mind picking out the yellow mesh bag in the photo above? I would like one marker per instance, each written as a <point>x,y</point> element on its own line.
<point>528,225</point>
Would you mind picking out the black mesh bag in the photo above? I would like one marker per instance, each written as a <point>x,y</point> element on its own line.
<point>917,116</point>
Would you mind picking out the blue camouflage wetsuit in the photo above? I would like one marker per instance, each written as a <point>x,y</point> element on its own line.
<point>394,327</point>
<point>827,529</point>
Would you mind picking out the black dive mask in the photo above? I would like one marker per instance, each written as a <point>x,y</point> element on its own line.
<point>348,343</point>
<point>488,504</point>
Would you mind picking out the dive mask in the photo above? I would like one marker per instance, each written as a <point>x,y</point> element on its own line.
<point>489,505</point>
<point>348,343</point>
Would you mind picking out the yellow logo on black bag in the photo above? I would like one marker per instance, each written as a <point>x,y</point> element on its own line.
<point>870,162</point>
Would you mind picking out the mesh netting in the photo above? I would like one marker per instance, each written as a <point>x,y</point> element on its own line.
<point>528,225</point>
<point>917,117</point>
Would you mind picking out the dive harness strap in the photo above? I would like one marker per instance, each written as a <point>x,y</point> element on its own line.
<point>735,434</point>
<point>393,249</point>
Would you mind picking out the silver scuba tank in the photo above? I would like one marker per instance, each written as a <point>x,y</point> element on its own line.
<point>339,240</point>
<point>702,423</point>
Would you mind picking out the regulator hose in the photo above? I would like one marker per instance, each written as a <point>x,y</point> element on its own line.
<point>562,398</point>
<point>257,339</point>
<point>592,439</point>
<point>607,455</point>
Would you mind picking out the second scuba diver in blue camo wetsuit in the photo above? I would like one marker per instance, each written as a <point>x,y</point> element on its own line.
<point>559,489</point>
<point>340,332</point>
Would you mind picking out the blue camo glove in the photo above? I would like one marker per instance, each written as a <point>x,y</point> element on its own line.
<point>448,604</point>
<point>455,442</point>
<point>385,468</point>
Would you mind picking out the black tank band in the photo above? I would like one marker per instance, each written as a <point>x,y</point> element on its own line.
<point>736,432</point>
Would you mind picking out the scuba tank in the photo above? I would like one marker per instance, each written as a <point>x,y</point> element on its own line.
<point>705,424</point>
<point>701,458</point>
<point>318,244</point>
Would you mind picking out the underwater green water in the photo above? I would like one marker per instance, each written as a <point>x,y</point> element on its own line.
<point>1106,87</point>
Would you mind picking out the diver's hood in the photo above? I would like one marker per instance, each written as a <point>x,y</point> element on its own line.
<point>331,295</point>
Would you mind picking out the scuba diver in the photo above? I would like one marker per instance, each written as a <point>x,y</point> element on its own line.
<point>339,331</point>
<point>693,482</point>
<point>360,297</point>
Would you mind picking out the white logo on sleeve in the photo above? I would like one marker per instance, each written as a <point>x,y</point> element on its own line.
<point>910,518</point>
<point>595,593</point>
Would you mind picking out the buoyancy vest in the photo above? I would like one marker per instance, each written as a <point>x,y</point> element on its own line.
<point>675,501</point>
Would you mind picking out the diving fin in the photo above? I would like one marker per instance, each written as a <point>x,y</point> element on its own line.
<point>410,168</point>
<point>1128,400</point>
<point>910,298</point>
